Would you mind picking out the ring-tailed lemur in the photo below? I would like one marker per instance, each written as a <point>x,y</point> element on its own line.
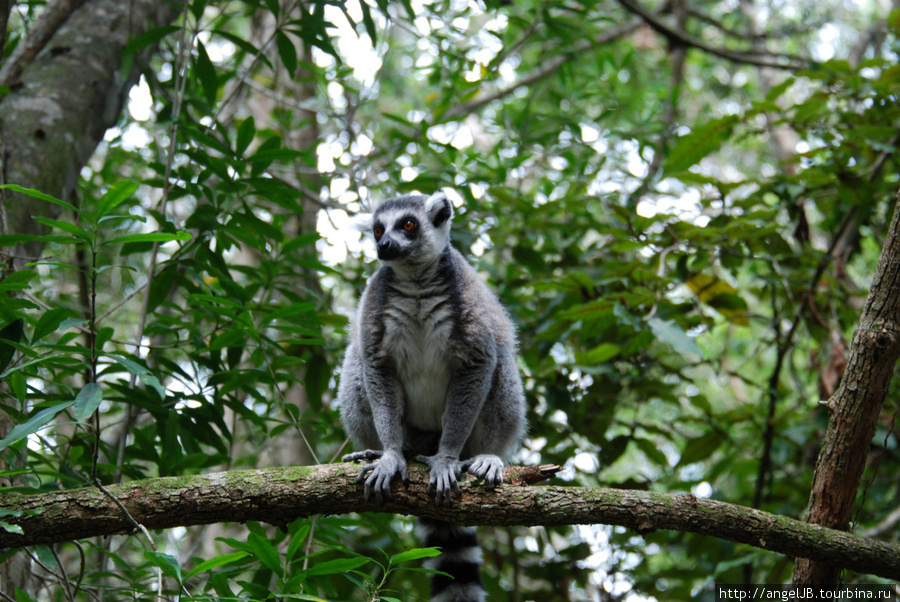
<point>430,374</point>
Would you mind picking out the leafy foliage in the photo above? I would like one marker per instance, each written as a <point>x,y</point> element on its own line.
<point>684,248</point>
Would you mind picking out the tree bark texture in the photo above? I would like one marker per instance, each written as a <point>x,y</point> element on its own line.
<point>64,101</point>
<point>281,495</point>
<point>855,407</point>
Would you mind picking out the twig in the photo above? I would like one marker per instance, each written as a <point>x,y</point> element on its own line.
<point>548,68</point>
<point>682,37</point>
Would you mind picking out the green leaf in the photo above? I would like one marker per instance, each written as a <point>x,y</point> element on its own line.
<point>33,424</point>
<point>414,554</point>
<point>117,194</point>
<point>17,281</point>
<point>287,51</point>
<point>216,562</point>
<point>340,565</point>
<point>598,355</point>
<point>141,372</point>
<point>245,136</point>
<point>166,562</point>
<point>700,448</point>
<point>263,549</point>
<point>76,231</point>
<point>206,73</point>
<point>87,401</point>
<point>181,235</point>
<point>672,334</point>
<point>150,37</point>
<point>369,23</point>
<point>48,322</point>
<point>301,241</point>
<point>699,143</point>
<point>11,528</point>
<point>9,240</point>
<point>12,332</point>
<point>37,194</point>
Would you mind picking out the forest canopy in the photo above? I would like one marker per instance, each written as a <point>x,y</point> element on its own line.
<point>682,205</point>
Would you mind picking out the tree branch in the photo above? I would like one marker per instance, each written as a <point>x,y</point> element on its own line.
<point>856,406</point>
<point>678,36</point>
<point>281,495</point>
<point>548,68</point>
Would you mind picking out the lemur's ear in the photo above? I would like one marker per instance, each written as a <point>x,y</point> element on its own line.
<point>363,222</point>
<point>439,208</point>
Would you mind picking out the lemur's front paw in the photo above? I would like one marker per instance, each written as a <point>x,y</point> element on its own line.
<point>364,456</point>
<point>381,473</point>
<point>444,481</point>
<point>487,467</point>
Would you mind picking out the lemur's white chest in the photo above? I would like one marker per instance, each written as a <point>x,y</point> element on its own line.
<point>418,340</point>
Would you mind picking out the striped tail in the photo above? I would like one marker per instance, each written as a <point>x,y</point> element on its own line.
<point>460,557</point>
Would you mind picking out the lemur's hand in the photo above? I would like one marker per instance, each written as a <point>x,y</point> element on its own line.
<point>486,466</point>
<point>387,465</point>
<point>445,473</point>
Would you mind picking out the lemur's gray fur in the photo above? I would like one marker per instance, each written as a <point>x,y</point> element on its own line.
<point>430,374</point>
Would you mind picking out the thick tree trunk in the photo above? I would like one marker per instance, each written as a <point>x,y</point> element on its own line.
<point>64,101</point>
<point>280,495</point>
<point>855,408</point>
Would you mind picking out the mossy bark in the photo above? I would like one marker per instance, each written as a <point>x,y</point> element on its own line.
<point>281,495</point>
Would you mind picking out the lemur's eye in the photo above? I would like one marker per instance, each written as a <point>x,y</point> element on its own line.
<point>409,225</point>
<point>378,231</point>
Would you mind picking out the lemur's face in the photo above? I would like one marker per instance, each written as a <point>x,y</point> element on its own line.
<point>412,229</point>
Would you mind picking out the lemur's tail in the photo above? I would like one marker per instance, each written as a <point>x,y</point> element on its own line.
<point>460,557</point>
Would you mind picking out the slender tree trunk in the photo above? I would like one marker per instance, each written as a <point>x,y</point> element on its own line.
<point>856,405</point>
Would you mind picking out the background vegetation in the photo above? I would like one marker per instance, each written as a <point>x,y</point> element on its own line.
<point>682,205</point>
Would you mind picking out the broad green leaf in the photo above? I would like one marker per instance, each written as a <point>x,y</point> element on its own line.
<point>32,192</point>
<point>17,281</point>
<point>87,400</point>
<point>700,448</point>
<point>598,355</point>
<point>206,73</point>
<point>414,554</point>
<point>244,136</point>
<point>340,565</point>
<point>699,143</point>
<point>49,321</point>
<point>287,51</point>
<point>166,562</point>
<point>76,231</point>
<point>263,549</point>
<point>117,194</point>
<point>671,333</point>
<point>9,240</point>
<point>181,235</point>
<point>216,562</point>
<point>150,37</point>
<point>244,45</point>
<point>141,372</point>
<point>301,241</point>
<point>33,424</point>
<point>11,528</point>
